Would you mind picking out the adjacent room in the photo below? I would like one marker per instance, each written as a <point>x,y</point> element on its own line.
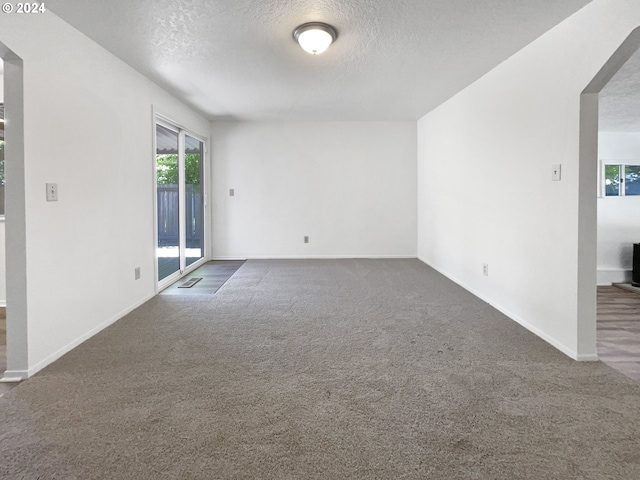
<point>391,207</point>
<point>619,219</point>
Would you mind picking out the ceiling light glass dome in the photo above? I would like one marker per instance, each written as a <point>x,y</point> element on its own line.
<point>315,37</point>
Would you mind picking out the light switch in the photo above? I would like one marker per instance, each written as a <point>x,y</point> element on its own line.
<point>232,192</point>
<point>556,171</point>
<point>52,192</point>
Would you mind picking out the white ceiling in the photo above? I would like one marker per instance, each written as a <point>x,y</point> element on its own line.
<point>619,109</point>
<point>236,59</point>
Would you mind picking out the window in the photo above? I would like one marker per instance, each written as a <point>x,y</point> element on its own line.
<point>621,179</point>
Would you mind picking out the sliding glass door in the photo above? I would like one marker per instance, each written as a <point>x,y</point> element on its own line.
<point>168,206</point>
<point>179,201</point>
<point>194,202</point>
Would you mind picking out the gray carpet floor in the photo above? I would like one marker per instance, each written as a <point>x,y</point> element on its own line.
<point>327,369</point>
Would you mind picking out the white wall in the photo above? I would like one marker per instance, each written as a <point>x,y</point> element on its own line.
<point>88,127</point>
<point>485,193</point>
<point>618,217</point>
<point>349,186</point>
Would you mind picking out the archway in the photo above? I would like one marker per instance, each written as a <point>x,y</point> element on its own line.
<point>587,187</point>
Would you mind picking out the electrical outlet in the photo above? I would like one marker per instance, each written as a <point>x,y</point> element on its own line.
<point>306,239</point>
<point>485,269</point>
<point>137,273</point>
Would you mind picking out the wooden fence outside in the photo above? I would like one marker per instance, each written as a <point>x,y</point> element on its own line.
<point>169,217</point>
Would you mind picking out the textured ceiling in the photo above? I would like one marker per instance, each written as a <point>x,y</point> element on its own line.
<point>236,59</point>
<point>620,99</point>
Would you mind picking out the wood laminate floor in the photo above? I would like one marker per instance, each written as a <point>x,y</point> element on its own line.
<point>619,330</point>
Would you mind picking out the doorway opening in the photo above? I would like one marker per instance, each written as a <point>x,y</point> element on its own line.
<point>180,201</point>
<point>13,230</point>
<point>610,143</point>
<point>3,290</point>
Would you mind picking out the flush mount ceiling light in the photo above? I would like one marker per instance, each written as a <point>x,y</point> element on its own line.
<point>315,37</point>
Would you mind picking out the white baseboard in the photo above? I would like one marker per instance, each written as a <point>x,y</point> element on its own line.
<point>13,376</point>
<point>613,275</point>
<point>535,330</point>
<point>588,358</point>
<point>18,375</point>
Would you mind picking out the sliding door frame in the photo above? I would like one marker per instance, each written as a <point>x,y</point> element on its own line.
<point>182,132</point>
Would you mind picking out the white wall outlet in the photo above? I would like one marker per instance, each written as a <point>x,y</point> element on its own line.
<point>485,269</point>
<point>52,192</point>
<point>306,239</point>
<point>137,273</point>
<point>556,172</point>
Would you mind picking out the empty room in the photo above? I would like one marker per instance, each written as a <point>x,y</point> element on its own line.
<point>297,240</point>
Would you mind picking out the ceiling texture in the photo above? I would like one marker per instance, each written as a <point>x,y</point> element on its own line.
<point>237,60</point>
<point>619,109</point>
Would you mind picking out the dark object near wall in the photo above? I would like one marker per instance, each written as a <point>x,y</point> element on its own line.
<point>635,279</point>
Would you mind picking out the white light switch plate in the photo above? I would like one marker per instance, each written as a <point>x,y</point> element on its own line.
<point>52,192</point>
<point>556,171</point>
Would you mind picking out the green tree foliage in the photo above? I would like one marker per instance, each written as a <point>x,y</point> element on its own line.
<point>612,180</point>
<point>167,169</point>
<point>612,172</point>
